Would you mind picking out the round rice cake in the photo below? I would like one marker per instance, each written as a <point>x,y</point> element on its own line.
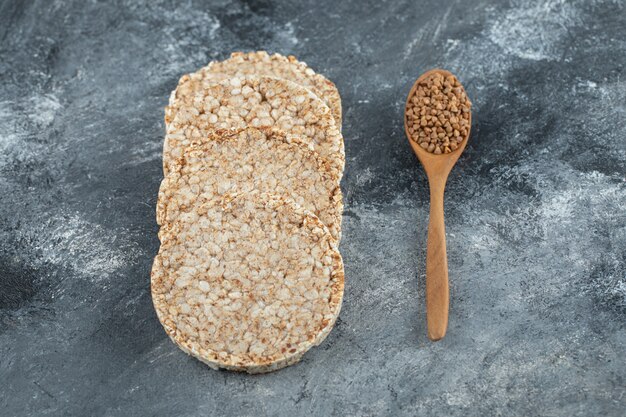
<point>249,159</point>
<point>241,64</point>
<point>248,283</point>
<point>255,102</point>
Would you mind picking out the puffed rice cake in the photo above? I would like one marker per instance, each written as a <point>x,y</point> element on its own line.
<point>248,283</point>
<point>256,102</point>
<point>252,159</point>
<point>241,64</point>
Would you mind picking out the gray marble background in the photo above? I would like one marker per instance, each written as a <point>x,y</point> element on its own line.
<point>535,208</point>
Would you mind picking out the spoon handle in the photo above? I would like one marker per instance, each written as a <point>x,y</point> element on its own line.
<point>437,292</point>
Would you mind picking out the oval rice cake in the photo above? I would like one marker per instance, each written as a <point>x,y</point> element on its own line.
<point>252,159</point>
<point>261,63</point>
<point>256,102</point>
<point>248,283</point>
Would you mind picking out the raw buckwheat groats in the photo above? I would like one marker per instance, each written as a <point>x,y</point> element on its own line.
<point>438,114</point>
<point>248,276</point>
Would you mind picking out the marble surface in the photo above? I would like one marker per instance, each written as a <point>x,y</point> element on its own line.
<point>535,208</point>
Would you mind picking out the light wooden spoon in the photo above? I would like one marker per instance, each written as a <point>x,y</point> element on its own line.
<point>437,169</point>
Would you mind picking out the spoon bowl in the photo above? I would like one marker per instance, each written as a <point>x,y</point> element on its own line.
<point>437,169</point>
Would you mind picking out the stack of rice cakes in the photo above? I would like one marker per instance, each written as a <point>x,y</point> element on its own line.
<point>249,275</point>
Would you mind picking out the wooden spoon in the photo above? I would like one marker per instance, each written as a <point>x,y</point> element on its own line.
<point>437,168</point>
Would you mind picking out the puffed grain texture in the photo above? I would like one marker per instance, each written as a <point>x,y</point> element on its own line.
<point>249,159</point>
<point>255,102</point>
<point>248,283</point>
<point>242,64</point>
